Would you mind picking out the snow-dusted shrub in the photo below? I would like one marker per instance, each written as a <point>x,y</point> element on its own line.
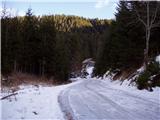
<point>146,78</point>
<point>153,68</point>
<point>142,81</point>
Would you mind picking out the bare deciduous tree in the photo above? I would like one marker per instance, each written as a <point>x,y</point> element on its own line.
<point>149,22</point>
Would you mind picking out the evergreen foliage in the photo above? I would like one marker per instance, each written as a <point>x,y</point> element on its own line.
<point>146,79</point>
<point>55,45</point>
<point>125,42</point>
<point>50,45</point>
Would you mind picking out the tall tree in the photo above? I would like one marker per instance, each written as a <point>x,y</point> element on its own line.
<point>47,46</point>
<point>30,42</point>
<point>148,16</point>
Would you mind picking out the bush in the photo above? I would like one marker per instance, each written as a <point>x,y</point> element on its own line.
<point>142,81</point>
<point>153,68</point>
<point>156,81</point>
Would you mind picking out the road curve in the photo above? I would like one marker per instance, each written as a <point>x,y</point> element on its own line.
<point>94,100</point>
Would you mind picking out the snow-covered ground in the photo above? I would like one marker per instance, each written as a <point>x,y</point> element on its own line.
<point>127,86</point>
<point>33,102</point>
<point>87,99</point>
<point>103,99</point>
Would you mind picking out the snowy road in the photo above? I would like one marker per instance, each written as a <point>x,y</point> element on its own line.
<point>95,100</point>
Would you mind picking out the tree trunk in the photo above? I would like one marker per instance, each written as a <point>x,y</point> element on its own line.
<point>148,30</point>
<point>43,65</point>
<point>147,49</point>
<point>15,65</point>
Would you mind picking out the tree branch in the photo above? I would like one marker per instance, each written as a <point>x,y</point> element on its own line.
<point>155,25</point>
<point>154,17</point>
<point>132,22</point>
<point>8,96</point>
<point>139,18</point>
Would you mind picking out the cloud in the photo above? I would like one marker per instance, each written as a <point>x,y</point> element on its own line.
<point>12,12</point>
<point>50,1</point>
<point>103,3</point>
<point>21,13</point>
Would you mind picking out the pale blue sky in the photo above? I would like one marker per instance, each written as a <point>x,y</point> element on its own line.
<point>86,8</point>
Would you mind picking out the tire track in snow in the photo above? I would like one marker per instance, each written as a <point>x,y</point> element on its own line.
<point>120,110</point>
<point>86,101</point>
<point>66,107</point>
<point>153,113</point>
<point>129,94</point>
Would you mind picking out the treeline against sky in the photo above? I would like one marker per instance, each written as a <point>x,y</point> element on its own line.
<point>51,45</point>
<point>55,45</point>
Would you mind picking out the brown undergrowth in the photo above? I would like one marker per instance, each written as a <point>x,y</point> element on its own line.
<point>125,73</point>
<point>12,82</point>
<point>16,79</point>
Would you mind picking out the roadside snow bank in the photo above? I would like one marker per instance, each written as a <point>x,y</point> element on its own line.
<point>131,88</point>
<point>33,102</point>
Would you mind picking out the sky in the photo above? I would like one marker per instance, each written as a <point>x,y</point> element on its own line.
<point>102,9</point>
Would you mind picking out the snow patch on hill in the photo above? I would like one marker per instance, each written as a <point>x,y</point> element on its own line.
<point>89,70</point>
<point>158,59</point>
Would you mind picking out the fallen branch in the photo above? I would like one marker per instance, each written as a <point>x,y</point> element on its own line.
<point>8,96</point>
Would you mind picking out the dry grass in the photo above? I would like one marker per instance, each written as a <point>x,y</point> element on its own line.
<point>16,79</point>
<point>12,84</point>
<point>124,74</point>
